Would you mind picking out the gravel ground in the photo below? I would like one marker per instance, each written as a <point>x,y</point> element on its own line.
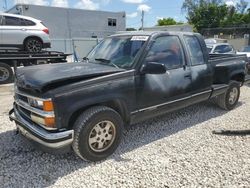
<point>176,150</point>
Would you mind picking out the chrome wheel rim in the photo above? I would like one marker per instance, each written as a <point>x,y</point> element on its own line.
<point>4,74</point>
<point>102,136</point>
<point>34,46</point>
<point>233,96</point>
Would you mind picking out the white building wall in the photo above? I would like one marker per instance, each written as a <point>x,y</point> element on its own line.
<point>65,23</point>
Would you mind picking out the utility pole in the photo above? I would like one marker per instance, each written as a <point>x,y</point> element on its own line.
<point>142,19</point>
<point>5,5</point>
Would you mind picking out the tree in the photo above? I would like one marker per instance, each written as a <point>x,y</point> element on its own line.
<point>237,15</point>
<point>190,6</point>
<point>215,13</point>
<point>208,16</point>
<point>167,21</point>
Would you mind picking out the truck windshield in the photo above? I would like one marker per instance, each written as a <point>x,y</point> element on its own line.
<point>117,51</point>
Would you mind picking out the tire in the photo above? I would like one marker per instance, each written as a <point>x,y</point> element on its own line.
<point>230,98</point>
<point>91,145</point>
<point>6,73</point>
<point>33,45</point>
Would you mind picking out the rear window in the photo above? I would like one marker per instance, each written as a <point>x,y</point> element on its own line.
<point>29,23</point>
<point>43,24</point>
<point>223,49</point>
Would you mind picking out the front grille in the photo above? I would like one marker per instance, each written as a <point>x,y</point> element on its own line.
<point>22,98</point>
<point>23,112</point>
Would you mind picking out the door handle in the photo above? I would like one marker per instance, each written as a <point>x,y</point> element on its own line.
<point>188,75</point>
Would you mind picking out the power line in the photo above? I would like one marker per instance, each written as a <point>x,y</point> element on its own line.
<point>5,7</point>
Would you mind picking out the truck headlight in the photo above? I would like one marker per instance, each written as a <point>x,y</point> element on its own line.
<point>43,105</point>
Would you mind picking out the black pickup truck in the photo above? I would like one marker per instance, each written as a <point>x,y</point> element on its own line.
<point>125,79</point>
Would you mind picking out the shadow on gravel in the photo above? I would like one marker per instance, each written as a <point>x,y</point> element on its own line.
<point>23,165</point>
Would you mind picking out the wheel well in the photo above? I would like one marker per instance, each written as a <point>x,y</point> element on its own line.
<point>9,63</point>
<point>116,105</point>
<point>30,37</point>
<point>238,77</point>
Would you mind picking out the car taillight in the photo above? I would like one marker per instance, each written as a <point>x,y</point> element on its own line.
<point>46,30</point>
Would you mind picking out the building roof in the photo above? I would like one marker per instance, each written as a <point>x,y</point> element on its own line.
<point>43,6</point>
<point>20,16</point>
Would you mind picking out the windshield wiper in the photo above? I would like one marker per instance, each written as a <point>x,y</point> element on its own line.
<point>103,60</point>
<point>85,59</point>
<point>106,61</point>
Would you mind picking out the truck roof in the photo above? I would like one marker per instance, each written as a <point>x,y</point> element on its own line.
<point>149,33</point>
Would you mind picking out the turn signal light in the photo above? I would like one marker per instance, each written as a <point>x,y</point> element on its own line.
<point>48,106</point>
<point>46,121</point>
<point>49,122</point>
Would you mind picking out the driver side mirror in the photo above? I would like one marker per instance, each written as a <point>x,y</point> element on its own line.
<point>153,68</point>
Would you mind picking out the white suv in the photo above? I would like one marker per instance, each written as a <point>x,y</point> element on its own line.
<point>23,32</point>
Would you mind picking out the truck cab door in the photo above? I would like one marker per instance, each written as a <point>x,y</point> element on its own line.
<point>159,93</point>
<point>201,70</point>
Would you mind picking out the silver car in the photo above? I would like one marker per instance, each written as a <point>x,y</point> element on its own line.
<point>220,48</point>
<point>23,32</point>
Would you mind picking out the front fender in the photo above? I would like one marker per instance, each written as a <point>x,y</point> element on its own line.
<point>111,100</point>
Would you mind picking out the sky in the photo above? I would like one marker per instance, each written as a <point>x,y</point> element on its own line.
<point>154,9</point>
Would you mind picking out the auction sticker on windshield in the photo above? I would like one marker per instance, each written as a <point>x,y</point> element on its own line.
<point>140,38</point>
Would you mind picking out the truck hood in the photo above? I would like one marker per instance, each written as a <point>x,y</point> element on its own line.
<point>41,77</point>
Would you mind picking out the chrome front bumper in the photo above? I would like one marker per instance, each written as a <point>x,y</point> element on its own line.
<point>46,139</point>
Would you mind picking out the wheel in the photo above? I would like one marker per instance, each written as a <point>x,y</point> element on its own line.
<point>6,73</point>
<point>229,99</point>
<point>98,132</point>
<point>33,45</point>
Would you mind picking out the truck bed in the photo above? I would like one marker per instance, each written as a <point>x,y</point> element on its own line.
<point>223,57</point>
<point>226,65</point>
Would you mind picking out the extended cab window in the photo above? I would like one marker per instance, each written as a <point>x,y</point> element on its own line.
<point>195,50</point>
<point>166,50</point>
